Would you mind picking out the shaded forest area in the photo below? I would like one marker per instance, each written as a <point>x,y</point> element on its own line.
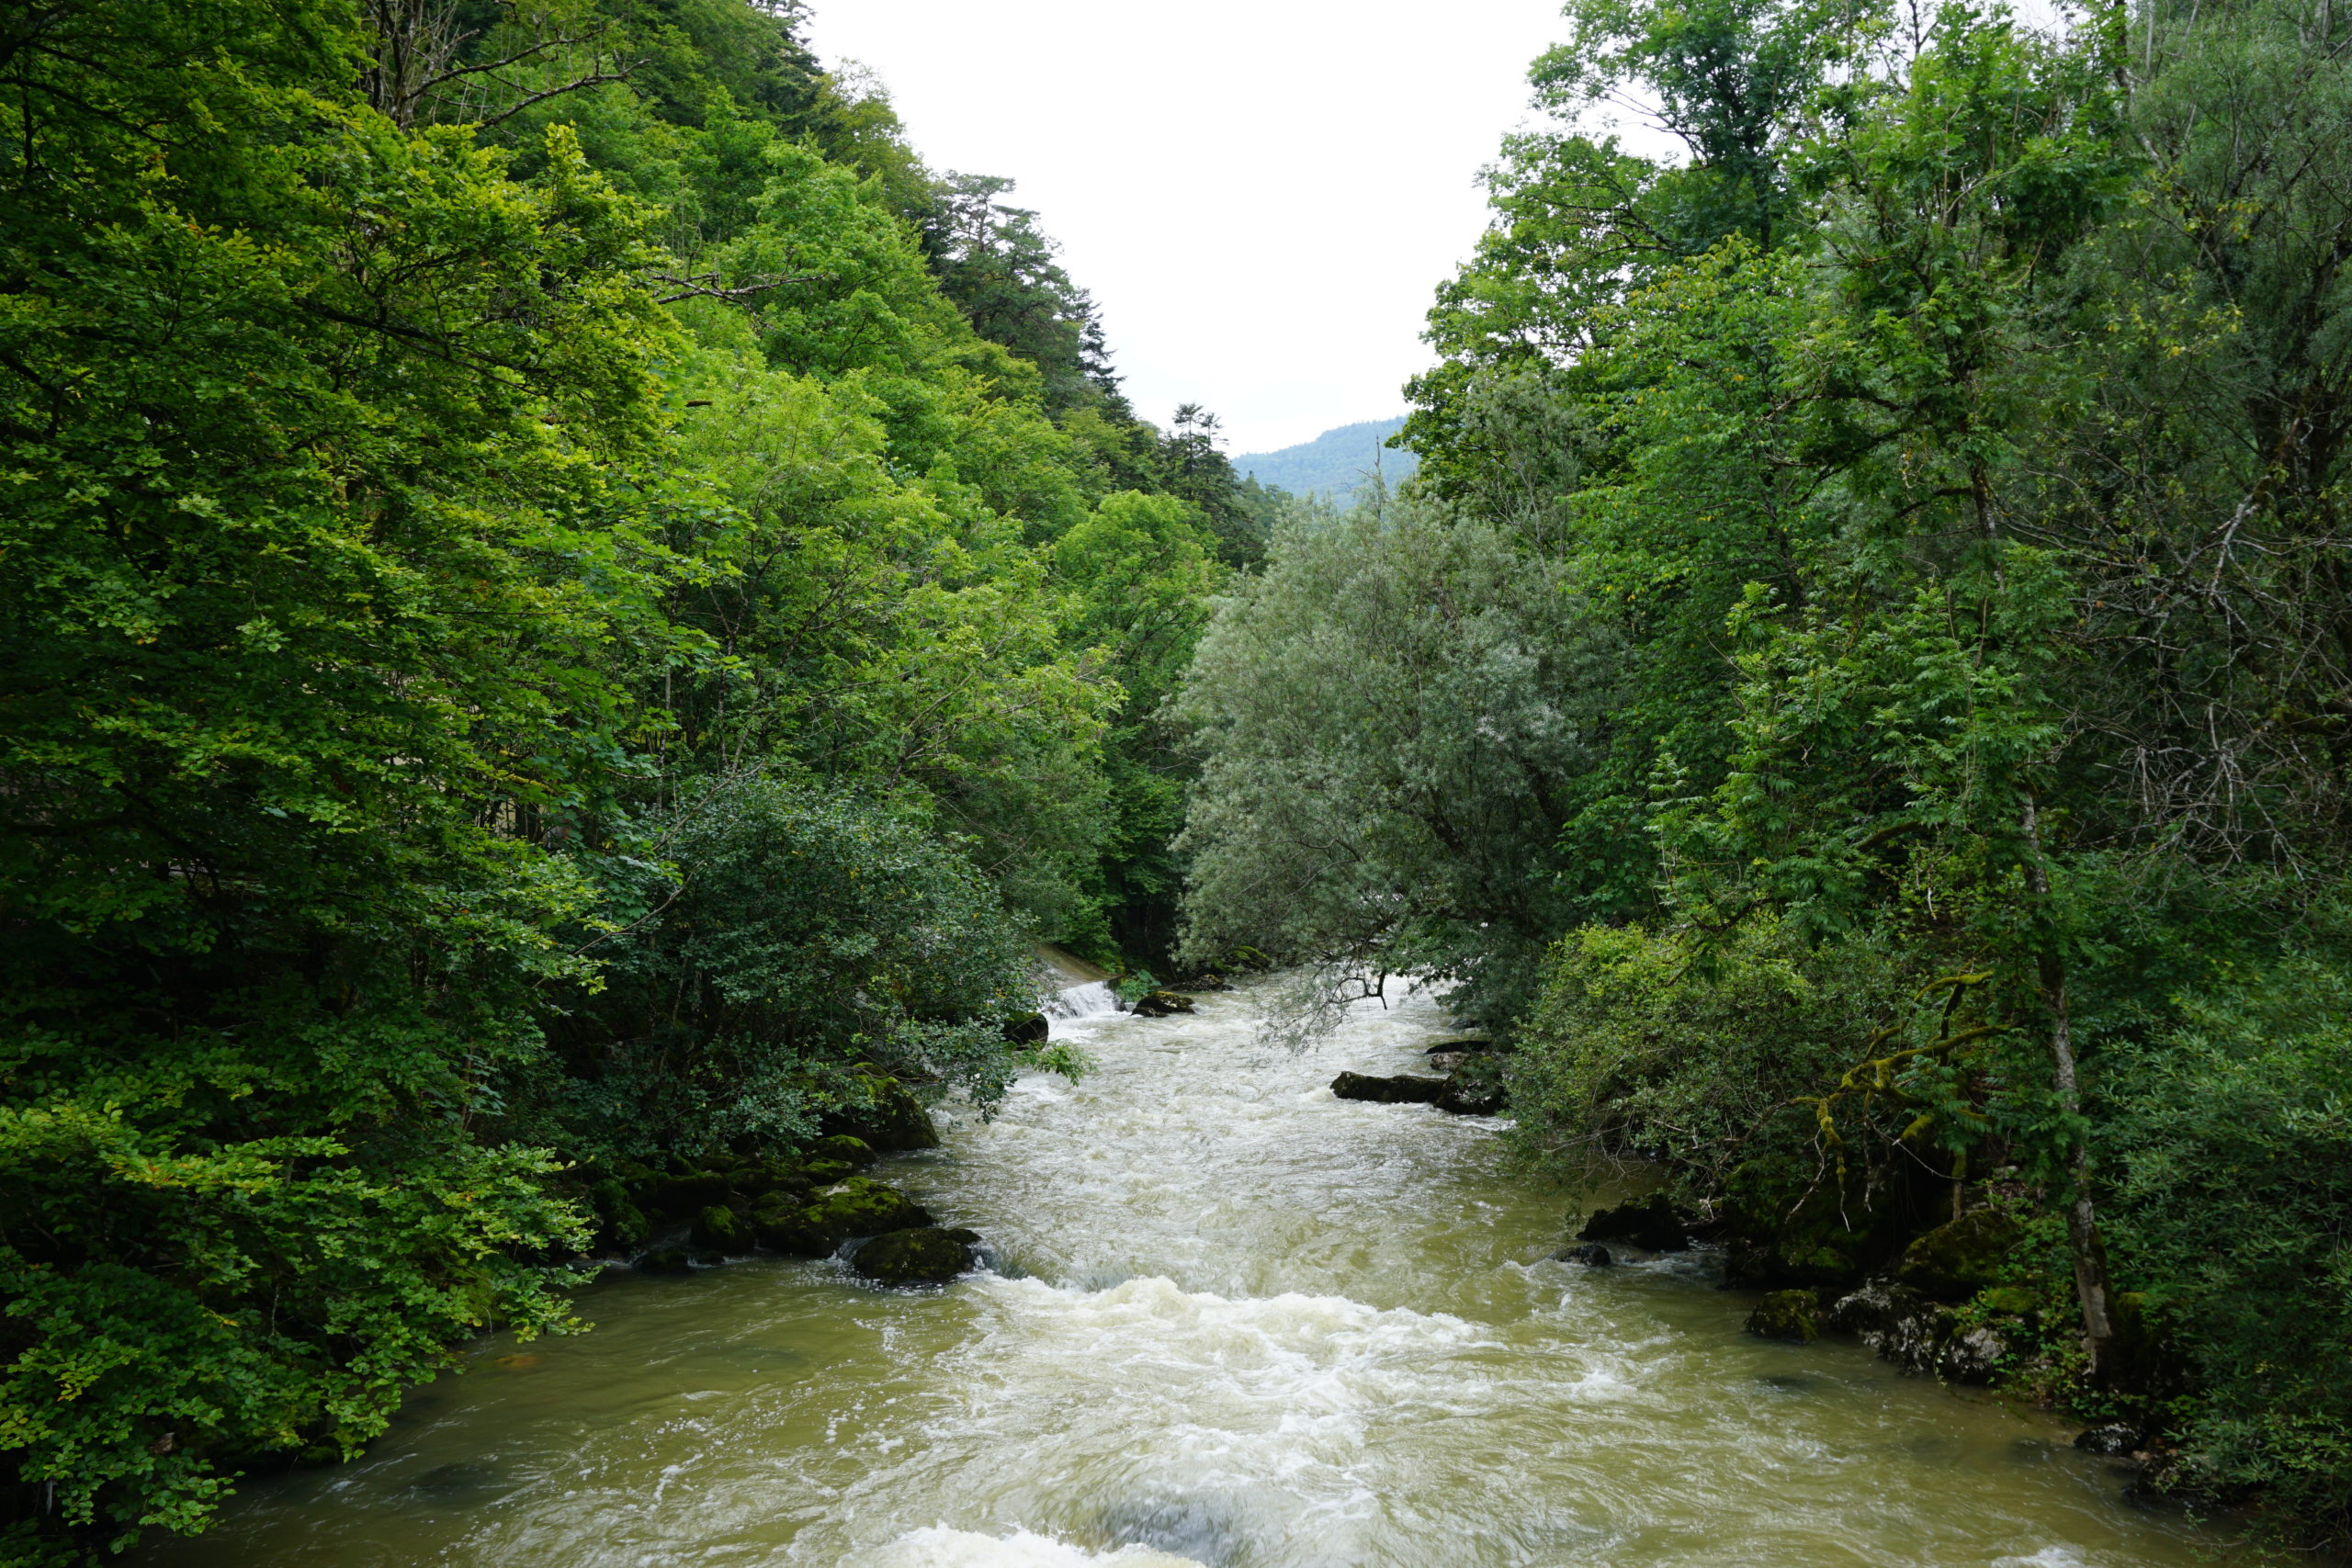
<point>1858,692</point>
<point>573,609</point>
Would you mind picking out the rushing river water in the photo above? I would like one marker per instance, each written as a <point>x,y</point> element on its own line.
<point>1240,1324</point>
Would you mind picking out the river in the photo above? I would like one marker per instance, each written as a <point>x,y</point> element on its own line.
<point>1238,1322</point>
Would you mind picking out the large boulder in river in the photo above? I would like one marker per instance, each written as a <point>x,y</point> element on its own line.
<point>1474,1090</point>
<point>923,1256</point>
<point>1027,1028</point>
<point>815,1229</point>
<point>883,1113</point>
<point>1403,1090</point>
<point>1916,1333</point>
<point>1953,1262</point>
<point>1161,1004</point>
<point>1651,1224</point>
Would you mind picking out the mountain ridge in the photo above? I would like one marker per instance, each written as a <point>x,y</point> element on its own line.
<point>1336,464</point>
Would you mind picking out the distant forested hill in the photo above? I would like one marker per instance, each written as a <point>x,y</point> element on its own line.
<point>1335,463</point>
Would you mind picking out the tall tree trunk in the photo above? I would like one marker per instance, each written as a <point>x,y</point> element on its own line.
<point>2083,1246</point>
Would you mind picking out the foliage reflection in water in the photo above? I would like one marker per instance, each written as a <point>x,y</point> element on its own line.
<point>1239,1324</point>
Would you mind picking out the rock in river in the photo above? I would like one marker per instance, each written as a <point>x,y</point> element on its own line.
<point>1591,1254</point>
<point>1787,1315</point>
<point>1161,1004</point>
<point>1403,1090</point>
<point>1650,1225</point>
<point>1464,1098</point>
<point>923,1256</point>
<point>2112,1441</point>
<point>857,1207</point>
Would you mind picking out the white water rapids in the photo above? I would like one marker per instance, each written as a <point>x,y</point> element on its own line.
<point>1239,1324</point>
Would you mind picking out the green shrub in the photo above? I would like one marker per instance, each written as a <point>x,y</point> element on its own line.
<point>2233,1136</point>
<point>794,933</point>
<point>1644,1046</point>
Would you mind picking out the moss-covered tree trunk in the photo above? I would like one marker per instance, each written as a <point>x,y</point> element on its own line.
<point>2083,1246</point>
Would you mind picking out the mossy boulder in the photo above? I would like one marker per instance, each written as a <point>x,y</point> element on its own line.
<point>1651,1224</point>
<point>857,1152</point>
<point>857,1207</point>
<point>1954,1261</point>
<point>1403,1090</point>
<point>921,1255</point>
<point>683,1197</point>
<point>754,1183</point>
<point>664,1260</point>
<point>1027,1028</point>
<point>885,1114</point>
<point>1793,1316</point>
<point>717,1230</point>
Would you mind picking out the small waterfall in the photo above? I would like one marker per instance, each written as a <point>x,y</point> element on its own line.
<point>1090,1001</point>
<point>1073,988</point>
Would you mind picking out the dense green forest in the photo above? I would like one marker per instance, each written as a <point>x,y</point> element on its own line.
<point>1860,688</point>
<point>571,609</point>
<point>575,611</point>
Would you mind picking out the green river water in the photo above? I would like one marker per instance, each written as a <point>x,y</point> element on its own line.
<point>1238,1323</point>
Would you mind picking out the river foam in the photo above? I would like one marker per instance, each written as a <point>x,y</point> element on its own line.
<point>938,1546</point>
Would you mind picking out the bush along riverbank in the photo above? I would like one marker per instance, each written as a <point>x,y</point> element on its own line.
<point>1779,1097</point>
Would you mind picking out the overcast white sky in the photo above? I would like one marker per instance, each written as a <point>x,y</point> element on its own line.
<point>1260,194</point>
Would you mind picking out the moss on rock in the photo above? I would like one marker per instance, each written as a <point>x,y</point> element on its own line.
<point>857,1207</point>
<point>683,1197</point>
<point>1954,1261</point>
<point>857,1152</point>
<point>920,1256</point>
<point>717,1229</point>
<point>1787,1315</point>
<point>889,1117</point>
